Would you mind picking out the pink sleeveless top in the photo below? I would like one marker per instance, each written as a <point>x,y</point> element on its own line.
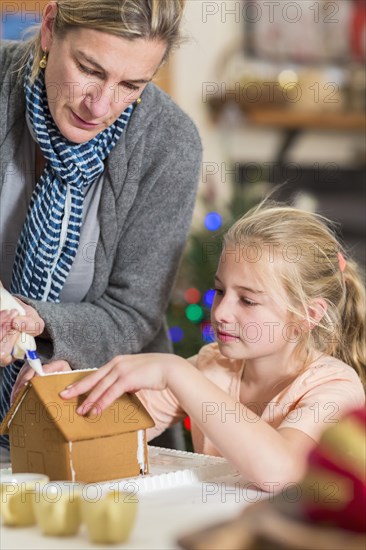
<point>317,398</point>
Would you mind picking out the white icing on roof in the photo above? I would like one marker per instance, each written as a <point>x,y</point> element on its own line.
<point>68,371</point>
<point>16,408</point>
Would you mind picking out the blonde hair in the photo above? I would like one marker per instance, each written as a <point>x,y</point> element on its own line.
<point>131,19</point>
<point>305,253</point>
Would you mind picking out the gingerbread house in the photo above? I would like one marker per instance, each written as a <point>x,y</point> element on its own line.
<point>47,436</point>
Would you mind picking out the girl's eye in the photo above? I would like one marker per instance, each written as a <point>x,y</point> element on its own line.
<point>248,302</point>
<point>218,291</point>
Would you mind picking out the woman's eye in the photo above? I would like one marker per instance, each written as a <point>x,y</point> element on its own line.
<point>218,291</point>
<point>88,71</point>
<point>130,86</point>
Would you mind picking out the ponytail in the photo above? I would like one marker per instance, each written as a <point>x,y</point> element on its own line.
<point>351,347</point>
<point>319,272</point>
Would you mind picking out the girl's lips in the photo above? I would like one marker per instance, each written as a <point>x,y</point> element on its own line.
<point>226,337</point>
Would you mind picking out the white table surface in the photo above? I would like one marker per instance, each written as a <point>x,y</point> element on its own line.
<point>163,516</point>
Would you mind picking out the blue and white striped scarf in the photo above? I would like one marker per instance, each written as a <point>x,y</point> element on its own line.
<point>46,248</point>
<point>43,261</point>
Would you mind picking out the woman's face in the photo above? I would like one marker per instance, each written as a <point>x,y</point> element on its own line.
<point>91,77</point>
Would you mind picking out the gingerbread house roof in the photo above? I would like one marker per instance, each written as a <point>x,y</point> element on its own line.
<point>127,414</point>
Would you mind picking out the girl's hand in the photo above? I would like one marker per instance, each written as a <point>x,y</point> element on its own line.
<point>8,336</point>
<point>26,373</point>
<point>124,373</point>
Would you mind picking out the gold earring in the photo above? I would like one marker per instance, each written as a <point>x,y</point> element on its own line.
<point>43,61</point>
<point>138,101</point>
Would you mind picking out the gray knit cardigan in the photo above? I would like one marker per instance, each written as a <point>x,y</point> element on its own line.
<point>145,211</point>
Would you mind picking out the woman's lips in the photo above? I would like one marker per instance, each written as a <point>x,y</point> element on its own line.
<point>82,122</point>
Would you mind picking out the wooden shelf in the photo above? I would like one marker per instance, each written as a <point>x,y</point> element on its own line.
<point>302,120</point>
<point>283,117</point>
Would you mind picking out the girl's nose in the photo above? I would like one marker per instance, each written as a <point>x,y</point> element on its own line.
<point>98,100</point>
<point>223,310</point>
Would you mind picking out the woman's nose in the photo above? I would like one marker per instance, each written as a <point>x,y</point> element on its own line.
<point>98,100</point>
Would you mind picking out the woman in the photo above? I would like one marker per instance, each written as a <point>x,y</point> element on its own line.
<point>99,170</point>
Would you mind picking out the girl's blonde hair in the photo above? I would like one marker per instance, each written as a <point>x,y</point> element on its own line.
<point>312,267</point>
<point>131,19</point>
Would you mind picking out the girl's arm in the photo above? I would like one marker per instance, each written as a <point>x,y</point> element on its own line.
<point>267,457</point>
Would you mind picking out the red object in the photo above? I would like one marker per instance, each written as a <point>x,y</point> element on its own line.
<point>342,497</point>
<point>192,295</point>
<point>187,423</point>
<point>358,30</point>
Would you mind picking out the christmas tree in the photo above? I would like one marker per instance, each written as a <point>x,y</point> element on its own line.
<point>190,306</point>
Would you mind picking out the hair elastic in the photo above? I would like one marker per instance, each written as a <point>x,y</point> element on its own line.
<point>342,262</point>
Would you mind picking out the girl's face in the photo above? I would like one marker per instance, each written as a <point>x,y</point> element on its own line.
<point>91,77</point>
<point>248,321</point>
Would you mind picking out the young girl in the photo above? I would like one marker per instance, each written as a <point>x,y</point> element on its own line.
<point>288,316</point>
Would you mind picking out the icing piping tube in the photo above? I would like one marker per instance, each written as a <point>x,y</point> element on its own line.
<point>25,346</point>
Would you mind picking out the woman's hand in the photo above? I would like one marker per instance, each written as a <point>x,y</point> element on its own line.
<point>26,373</point>
<point>12,324</point>
<point>30,323</point>
<point>8,335</point>
<point>124,373</point>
